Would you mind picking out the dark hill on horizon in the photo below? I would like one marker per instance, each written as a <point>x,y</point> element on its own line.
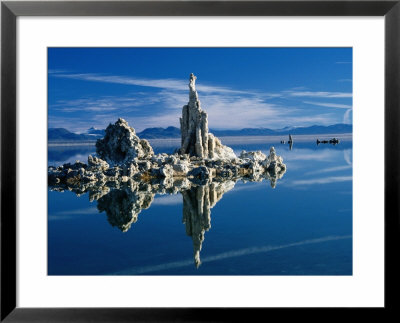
<point>173,132</point>
<point>316,129</point>
<point>156,133</point>
<point>61,134</point>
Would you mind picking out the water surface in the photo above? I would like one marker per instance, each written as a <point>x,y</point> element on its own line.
<point>303,226</point>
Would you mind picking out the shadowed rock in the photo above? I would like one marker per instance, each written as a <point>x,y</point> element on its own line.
<point>121,145</point>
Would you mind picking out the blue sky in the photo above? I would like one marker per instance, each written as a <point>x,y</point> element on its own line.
<point>238,87</point>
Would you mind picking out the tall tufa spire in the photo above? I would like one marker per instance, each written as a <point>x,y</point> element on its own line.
<point>195,138</point>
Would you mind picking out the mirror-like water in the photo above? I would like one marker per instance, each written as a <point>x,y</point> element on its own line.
<point>303,226</point>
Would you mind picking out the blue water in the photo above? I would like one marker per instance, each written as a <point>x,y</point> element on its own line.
<point>303,226</point>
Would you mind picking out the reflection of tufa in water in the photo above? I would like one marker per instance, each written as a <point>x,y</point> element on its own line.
<point>333,141</point>
<point>123,201</point>
<point>197,204</point>
<point>122,207</point>
<point>290,142</point>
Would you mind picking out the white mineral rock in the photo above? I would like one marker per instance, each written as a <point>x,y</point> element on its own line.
<point>97,163</point>
<point>196,140</point>
<point>253,155</point>
<point>120,144</point>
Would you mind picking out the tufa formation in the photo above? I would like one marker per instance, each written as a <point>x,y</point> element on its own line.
<point>196,140</point>
<point>120,144</point>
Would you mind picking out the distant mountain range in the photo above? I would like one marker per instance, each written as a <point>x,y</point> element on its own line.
<point>173,132</point>
<point>156,133</point>
<point>61,134</point>
<point>336,129</point>
<point>95,131</point>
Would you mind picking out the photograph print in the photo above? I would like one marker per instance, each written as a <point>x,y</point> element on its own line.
<point>200,161</point>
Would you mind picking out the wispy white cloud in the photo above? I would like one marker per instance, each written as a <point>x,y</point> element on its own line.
<point>227,255</point>
<point>56,71</point>
<point>347,116</point>
<point>180,85</point>
<point>324,180</point>
<point>315,155</point>
<point>168,84</point>
<point>347,154</point>
<point>249,111</point>
<point>168,200</point>
<point>319,94</point>
<point>67,215</point>
<point>249,108</point>
<point>329,169</point>
<point>103,104</point>
<point>329,105</point>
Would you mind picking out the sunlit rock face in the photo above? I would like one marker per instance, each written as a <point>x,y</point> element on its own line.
<point>253,155</point>
<point>97,164</point>
<point>121,145</point>
<point>195,138</point>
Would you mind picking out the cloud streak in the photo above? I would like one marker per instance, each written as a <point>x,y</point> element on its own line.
<point>227,255</point>
<point>167,84</point>
<point>104,103</point>
<point>162,108</point>
<point>324,180</point>
<point>168,200</point>
<point>319,94</point>
<point>347,116</point>
<point>329,105</point>
<point>72,214</point>
<point>330,169</point>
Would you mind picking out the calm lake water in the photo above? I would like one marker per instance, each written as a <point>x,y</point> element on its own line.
<point>303,226</point>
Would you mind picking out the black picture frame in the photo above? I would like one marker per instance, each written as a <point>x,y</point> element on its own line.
<point>10,10</point>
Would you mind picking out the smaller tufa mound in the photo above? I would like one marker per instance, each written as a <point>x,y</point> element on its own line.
<point>95,163</point>
<point>121,145</point>
<point>254,156</point>
<point>217,150</point>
